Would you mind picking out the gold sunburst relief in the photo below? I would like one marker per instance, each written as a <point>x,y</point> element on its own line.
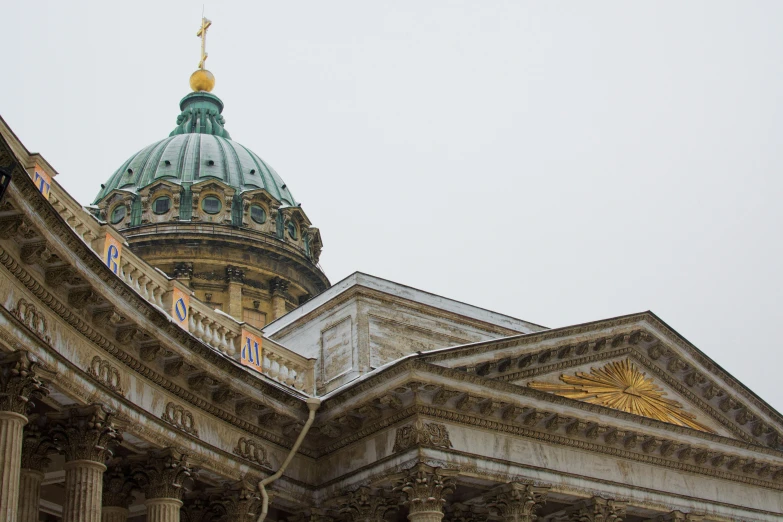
<point>621,386</point>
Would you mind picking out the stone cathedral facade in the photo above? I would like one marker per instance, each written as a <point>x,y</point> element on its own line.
<point>174,352</point>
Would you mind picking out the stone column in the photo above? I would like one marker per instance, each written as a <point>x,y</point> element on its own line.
<point>19,382</point>
<point>278,287</point>
<point>118,492</point>
<point>161,475</point>
<point>425,489</point>
<point>516,502</point>
<point>35,448</point>
<point>86,436</point>
<point>235,278</point>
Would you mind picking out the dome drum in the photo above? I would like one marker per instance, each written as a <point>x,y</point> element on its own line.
<point>200,198</point>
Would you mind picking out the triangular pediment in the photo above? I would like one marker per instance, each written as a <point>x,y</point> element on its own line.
<point>625,384</point>
<point>636,364</point>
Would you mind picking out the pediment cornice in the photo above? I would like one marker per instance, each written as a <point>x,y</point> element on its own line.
<point>441,393</point>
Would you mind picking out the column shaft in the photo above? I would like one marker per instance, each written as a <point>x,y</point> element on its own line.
<point>29,495</point>
<point>11,429</point>
<point>425,516</point>
<point>114,514</point>
<point>163,509</point>
<point>83,490</point>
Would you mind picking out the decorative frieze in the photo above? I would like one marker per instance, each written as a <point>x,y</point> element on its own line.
<point>180,418</point>
<point>106,374</point>
<point>422,433</point>
<point>253,451</point>
<point>32,318</point>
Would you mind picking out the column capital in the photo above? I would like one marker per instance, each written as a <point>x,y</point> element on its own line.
<point>37,444</point>
<point>597,509</point>
<point>516,501</point>
<point>425,488</point>
<point>84,432</point>
<point>366,504</point>
<point>678,516</point>
<point>459,512</point>
<point>237,502</point>
<point>118,485</point>
<point>161,473</point>
<point>20,381</point>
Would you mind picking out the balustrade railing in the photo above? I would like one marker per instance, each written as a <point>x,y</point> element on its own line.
<point>216,329</point>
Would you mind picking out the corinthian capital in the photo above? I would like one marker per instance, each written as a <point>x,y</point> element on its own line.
<point>516,502</point>
<point>161,473</point>
<point>237,502</point>
<point>597,509</point>
<point>118,485</point>
<point>425,488</point>
<point>84,432</point>
<point>20,374</point>
<point>36,445</point>
<point>366,505</point>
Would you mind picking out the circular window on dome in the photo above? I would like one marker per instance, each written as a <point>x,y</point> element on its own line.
<point>210,205</point>
<point>292,229</point>
<point>258,214</point>
<point>161,205</point>
<point>118,214</point>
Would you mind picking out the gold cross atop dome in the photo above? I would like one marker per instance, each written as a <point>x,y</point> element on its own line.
<point>621,386</point>
<point>202,79</point>
<point>202,33</point>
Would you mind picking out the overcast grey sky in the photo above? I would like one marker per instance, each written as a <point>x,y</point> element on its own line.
<point>556,161</point>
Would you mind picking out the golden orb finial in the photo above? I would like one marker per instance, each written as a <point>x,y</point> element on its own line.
<point>202,79</point>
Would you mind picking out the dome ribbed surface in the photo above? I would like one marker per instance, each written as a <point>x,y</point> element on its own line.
<point>199,148</point>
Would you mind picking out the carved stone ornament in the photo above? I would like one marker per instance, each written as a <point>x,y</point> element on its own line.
<point>118,485</point>
<point>36,444</point>
<point>29,315</point>
<point>516,502</point>
<point>106,374</point>
<point>19,381</point>
<point>421,433</point>
<point>252,451</point>
<point>458,512</point>
<point>84,432</point>
<point>366,505</point>
<point>425,488</point>
<point>621,386</point>
<point>238,502</point>
<point>597,509</point>
<point>677,516</point>
<point>180,418</point>
<point>161,473</point>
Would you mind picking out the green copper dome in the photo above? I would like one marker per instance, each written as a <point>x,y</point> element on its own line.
<point>199,148</point>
